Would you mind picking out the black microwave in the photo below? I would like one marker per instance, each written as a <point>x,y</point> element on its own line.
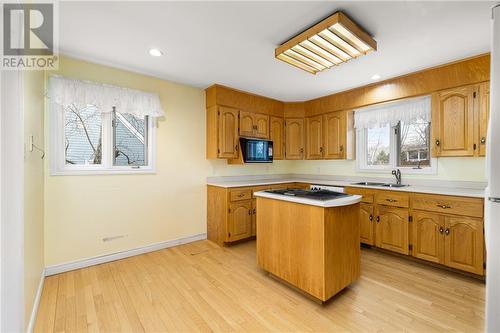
<point>256,150</point>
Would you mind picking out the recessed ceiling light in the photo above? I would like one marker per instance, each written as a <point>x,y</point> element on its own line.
<point>155,52</point>
<point>375,77</point>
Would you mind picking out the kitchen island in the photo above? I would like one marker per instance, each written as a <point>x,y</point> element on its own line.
<point>312,244</point>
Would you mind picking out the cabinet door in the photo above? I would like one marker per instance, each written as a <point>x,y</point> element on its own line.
<point>254,217</point>
<point>294,138</point>
<point>484,114</point>
<point>261,126</point>
<point>335,132</point>
<point>428,236</point>
<point>277,137</point>
<point>246,124</point>
<point>464,244</point>
<point>240,220</point>
<point>228,133</point>
<point>391,231</point>
<point>314,138</point>
<point>366,227</point>
<point>453,122</point>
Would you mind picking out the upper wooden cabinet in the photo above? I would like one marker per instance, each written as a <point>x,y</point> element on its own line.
<point>314,138</point>
<point>277,136</point>
<point>335,135</point>
<point>254,125</point>
<point>294,138</point>
<point>453,121</point>
<point>484,114</point>
<point>228,132</point>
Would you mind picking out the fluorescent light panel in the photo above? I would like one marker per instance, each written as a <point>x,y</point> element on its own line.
<point>332,41</point>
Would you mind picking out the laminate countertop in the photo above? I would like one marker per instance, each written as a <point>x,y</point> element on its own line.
<point>429,189</point>
<point>337,202</point>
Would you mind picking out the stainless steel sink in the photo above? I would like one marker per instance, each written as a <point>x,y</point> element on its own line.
<point>380,184</point>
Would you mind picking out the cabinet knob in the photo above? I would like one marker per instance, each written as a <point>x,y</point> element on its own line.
<point>391,200</point>
<point>447,231</point>
<point>301,150</point>
<point>441,230</point>
<point>371,217</point>
<point>321,149</point>
<point>483,140</point>
<point>378,219</point>
<point>236,147</point>
<point>249,212</point>
<point>341,148</point>
<point>254,210</point>
<point>443,206</point>
<point>438,142</point>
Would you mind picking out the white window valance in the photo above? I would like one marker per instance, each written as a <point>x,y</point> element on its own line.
<point>65,91</point>
<point>381,115</point>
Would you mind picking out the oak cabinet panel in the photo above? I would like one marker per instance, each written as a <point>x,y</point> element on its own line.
<point>464,244</point>
<point>246,123</point>
<point>335,134</point>
<point>428,236</point>
<point>294,138</point>
<point>314,138</point>
<point>453,121</point>
<point>261,126</point>
<point>228,132</point>
<point>240,220</point>
<point>392,198</point>
<point>484,114</point>
<point>254,217</point>
<point>448,204</point>
<point>366,227</point>
<point>392,229</point>
<point>277,136</point>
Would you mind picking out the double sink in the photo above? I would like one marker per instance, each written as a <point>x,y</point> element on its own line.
<point>380,184</point>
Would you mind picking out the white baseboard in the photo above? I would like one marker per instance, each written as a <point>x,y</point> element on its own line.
<point>69,266</point>
<point>36,303</point>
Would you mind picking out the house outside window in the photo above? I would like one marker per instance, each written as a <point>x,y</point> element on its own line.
<point>395,136</point>
<point>94,132</point>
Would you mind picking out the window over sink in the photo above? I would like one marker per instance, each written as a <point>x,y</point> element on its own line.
<point>395,135</point>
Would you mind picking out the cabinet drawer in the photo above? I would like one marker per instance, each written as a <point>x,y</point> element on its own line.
<point>390,198</point>
<point>241,194</point>
<point>448,204</point>
<point>366,195</point>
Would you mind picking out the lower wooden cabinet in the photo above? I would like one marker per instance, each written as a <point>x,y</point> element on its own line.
<point>464,244</point>
<point>455,241</point>
<point>366,224</point>
<point>254,217</point>
<point>240,220</point>
<point>391,229</point>
<point>427,236</point>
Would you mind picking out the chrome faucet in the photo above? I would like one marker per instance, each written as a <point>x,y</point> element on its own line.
<point>397,174</point>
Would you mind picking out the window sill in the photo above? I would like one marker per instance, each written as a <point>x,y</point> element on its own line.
<point>94,172</point>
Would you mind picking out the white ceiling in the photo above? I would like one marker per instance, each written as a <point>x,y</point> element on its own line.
<point>232,43</point>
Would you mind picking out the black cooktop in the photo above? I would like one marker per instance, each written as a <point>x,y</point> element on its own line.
<point>322,195</point>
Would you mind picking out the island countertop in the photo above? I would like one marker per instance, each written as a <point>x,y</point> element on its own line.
<point>337,202</point>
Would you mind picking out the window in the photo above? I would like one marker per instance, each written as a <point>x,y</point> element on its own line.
<point>395,135</point>
<point>95,142</point>
<point>99,128</point>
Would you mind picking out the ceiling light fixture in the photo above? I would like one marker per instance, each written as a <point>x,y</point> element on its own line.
<point>155,52</point>
<point>375,77</point>
<point>330,42</point>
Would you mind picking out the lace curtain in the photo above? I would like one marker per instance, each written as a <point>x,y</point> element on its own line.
<point>65,91</point>
<point>381,115</point>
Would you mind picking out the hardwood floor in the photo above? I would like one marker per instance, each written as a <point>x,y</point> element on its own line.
<point>201,287</point>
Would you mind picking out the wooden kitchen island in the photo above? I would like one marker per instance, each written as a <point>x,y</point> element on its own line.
<point>310,244</point>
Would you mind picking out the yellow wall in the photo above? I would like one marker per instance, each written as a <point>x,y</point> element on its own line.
<point>81,210</point>
<point>449,168</point>
<point>33,187</point>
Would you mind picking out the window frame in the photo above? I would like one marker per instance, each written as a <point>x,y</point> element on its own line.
<point>363,167</point>
<point>58,167</point>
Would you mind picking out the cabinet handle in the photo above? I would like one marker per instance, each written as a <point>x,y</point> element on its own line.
<point>254,210</point>
<point>241,195</point>
<point>320,149</point>
<point>301,150</point>
<point>483,140</point>
<point>441,229</point>
<point>447,231</point>
<point>378,219</point>
<point>391,200</point>
<point>341,148</point>
<point>443,206</point>
<point>438,142</point>
<point>236,147</point>
<point>371,217</point>
<point>249,212</point>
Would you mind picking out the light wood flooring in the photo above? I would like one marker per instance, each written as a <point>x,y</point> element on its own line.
<point>202,287</point>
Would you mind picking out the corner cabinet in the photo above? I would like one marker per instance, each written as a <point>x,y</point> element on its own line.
<point>294,138</point>
<point>459,121</point>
